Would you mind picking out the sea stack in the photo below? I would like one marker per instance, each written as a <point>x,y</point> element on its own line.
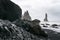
<point>26,16</point>
<point>46,17</point>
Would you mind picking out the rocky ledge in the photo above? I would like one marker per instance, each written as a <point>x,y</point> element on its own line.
<point>9,31</point>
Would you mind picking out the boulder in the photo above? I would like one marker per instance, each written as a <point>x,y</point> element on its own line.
<point>38,31</point>
<point>54,25</point>
<point>9,10</point>
<point>34,28</point>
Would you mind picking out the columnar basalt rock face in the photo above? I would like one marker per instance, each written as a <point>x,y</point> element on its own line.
<point>9,10</point>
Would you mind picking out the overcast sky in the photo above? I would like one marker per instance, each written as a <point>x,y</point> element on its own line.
<point>38,8</point>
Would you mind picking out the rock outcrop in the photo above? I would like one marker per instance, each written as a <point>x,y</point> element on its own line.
<point>10,31</point>
<point>9,10</point>
<point>32,27</point>
<point>26,16</point>
<point>46,17</point>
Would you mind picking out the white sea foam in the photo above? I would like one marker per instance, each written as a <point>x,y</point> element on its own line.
<point>49,26</point>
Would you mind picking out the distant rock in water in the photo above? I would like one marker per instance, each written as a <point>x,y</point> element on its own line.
<point>9,10</point>
<point>46,18</point>
<point>26,16</point>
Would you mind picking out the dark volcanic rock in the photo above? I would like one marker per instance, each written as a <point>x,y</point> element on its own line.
<point>54,25</point>
<point>53,35</point>
<point>12,32</point>
<point>38,31</point>
<point>9,10</point>
<point>33,28</point>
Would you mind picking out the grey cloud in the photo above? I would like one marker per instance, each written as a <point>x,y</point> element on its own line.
<point>54,13</point>
<point>55,10</point>
<point>37,9</point>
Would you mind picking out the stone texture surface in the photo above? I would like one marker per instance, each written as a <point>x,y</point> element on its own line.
<point>9,10</point>
<point>16,33</point>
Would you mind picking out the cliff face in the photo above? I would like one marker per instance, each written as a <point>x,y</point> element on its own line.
<point>9,10</point>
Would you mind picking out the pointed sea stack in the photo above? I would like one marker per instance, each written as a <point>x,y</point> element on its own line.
<point>46,19</point>
<point>26,16</point>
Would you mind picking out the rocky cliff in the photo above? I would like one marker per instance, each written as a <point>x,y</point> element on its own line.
<point>9,10</point>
